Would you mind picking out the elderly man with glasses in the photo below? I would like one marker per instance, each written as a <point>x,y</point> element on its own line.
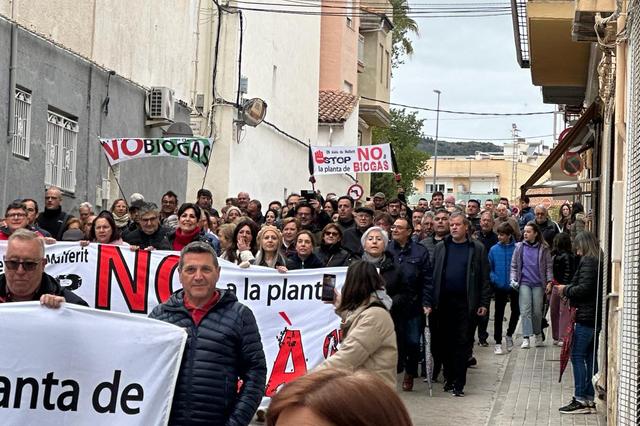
<point>149,235</point>
<point>24,278</point>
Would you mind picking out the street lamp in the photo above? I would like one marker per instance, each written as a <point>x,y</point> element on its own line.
<point>435,149</point>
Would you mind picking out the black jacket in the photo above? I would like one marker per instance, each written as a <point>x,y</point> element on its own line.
<point>583,292</point>
<point>398,292</point>
<point>478,284</point>
<point>549,230</point>
<point>225,347</point>
<point>332,255</point>
<point>157,240</point>
<point>413,265</point>
<point>563,267</point>
<point>311,262</point>
<point>48,285</point>
<point>488,240</point>
<point>53,221</point>
<point>351,240</point>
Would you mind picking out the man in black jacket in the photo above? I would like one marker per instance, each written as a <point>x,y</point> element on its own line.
<point>149,235</point>
<point>24,278</point>
<point>460,292</point>
<point>223,346</point>
<point>53,219</point>
<point>352,236</point>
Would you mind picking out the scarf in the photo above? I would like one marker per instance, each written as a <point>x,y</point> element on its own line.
<point>121,221</point>
<point>375,261</point>
<point>182,238</point>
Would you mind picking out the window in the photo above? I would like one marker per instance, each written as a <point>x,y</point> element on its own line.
<point>60,154</point>
<point>22,122</point>
<point>429,187</point>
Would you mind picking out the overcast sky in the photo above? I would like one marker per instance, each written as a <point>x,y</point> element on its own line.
<point>472,61</point>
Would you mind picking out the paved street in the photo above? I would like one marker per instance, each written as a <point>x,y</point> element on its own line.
<point>520,388</point>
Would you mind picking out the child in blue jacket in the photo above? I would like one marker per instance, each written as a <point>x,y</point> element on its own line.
<point>500,260</point>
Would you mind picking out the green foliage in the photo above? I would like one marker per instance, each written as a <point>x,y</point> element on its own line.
<point>403,25</point>
<point>404,134</point>
<point>457,148</point>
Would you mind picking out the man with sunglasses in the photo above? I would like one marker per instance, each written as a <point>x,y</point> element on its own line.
<point>24,278</point>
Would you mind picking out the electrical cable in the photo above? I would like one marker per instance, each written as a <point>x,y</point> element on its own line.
<point>240,58</point>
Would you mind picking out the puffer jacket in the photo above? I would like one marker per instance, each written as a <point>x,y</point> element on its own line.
<point>295,262</point>
<point>368,342</point>
<point>414,267</point>
<point>564,266</point>
<point>157,240</point>
<point>500,261</point>
<point>583,292</point>
<point>48,285</point>
<point>332,255</point>
<point>225,347</point>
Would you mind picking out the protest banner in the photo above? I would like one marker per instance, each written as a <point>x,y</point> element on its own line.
<point>197,150</point>
<point>352,159</point>
<point>298,330</point>
<point>79,366</point>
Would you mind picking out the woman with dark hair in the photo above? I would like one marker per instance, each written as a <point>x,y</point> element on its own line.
<point>565,218</point>
<point>330,251</point>
<point>330,207</point>
<point>269,255</point>
<point>271,217</point>
<point>578,219</point>
<point>368,336</point>
<point>531,272</point>
<point>583,295</point>
<point>563,269</point>
<point>120,212</point>
<point>303,258</point>
<point>338,398</point>
<point>244,244</point>
<point>104,231</point>
<point>188,230</point>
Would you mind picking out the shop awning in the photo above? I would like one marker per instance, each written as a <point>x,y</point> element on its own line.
<point>573,140</point>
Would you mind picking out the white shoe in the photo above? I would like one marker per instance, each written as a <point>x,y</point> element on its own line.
<point>539,341</point>
<point>498,350</point>
<point>525,343</point>
<point>509,340</point>
<point>555,342</point>
<point>560,343</point>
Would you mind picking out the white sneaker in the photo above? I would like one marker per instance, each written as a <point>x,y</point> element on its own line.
<point>539,341</point>
<point>498,350</point>
<point>525,343</point>
<point>509,340</point>
<point>555,342</point>
<point>560,343</point>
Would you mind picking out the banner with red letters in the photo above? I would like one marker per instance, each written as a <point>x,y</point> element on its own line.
<point>352,159</point>
<point>197,150</point>
<point>298,330</point>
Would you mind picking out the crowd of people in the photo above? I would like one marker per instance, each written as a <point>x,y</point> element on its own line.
<point>440,259</point>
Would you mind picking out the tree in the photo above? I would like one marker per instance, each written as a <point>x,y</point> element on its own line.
<point>403,25</point>
<point>404,134</point>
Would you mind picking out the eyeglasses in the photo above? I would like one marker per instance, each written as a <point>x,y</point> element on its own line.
<point>332,234</point>
<point>16,215</point>
<point>148,219</point>
<point>27,265</point>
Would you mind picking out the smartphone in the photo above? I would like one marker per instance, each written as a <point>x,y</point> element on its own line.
<point>307,195</point>
<point>328,288</point>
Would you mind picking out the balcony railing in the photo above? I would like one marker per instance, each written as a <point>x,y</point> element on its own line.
<point>520,31</point>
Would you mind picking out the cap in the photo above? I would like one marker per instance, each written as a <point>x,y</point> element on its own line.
<point>366,210</point>
<point>379,195</point>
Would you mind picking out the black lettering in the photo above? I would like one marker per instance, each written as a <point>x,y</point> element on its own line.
<point>5,392</point>
<point>204,158</point>
<point>183,148</point>
<point>169,146</point>
<point>254,293</point>
<point>232,288</point>
<point>309,289</point>
<point>149,146</point>
<point>270,294</point>
<point>111,387</point>
<point>48,382</point>
<point>318,290</point>
<point>74,394</point>
<point>20,384</point>
<point>126,397</point>
<point>293,294</point>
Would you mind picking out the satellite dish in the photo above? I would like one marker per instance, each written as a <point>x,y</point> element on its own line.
<point>179,129</point>
<point>253,111</point>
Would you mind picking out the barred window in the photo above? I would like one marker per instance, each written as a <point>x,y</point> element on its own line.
<point>22,122</point>
<point>60,155</point>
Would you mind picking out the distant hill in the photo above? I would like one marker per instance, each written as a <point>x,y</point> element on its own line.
<point>457,148</point>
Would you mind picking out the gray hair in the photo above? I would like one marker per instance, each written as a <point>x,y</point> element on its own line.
<point>382,232</point>
<point>587,243</point>
<point>147,208</point>
<point>459,214</point>
<point>541,208</point>
<point>86,205</point>
<point>26,235</point>
<point>197,247</point>
<point>488,213</point>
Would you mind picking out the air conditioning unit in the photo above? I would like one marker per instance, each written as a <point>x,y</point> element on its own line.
<point>159,104</point>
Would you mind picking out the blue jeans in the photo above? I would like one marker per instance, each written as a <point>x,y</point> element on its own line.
<point>531,301</point>
<point>583,362</point>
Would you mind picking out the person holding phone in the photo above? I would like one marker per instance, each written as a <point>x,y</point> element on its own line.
<point>368,335</point>
<point>244,245</point>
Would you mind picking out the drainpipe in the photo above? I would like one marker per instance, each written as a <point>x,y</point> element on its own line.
<point>12,98</point>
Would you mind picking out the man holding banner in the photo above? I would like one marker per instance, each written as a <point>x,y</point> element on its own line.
<point>223,373</point>
<point>24,278</point>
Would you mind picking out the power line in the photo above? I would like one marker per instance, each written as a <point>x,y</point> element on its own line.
<point>496,114</point>
<point>441,138</point>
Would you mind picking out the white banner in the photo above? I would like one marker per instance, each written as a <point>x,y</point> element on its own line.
<point>298,330</point>
<point>79,366</point>
<point>197,150</point>
<point>352,159</point>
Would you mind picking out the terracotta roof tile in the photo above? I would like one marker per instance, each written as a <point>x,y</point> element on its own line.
<point>335,106</point>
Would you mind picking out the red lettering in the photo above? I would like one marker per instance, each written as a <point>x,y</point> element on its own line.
<point>111,151</point>
<point>376,152</point>
<point>164,277</point>
<point>138,147</point>
<point>134,290</point>
<point>331,342</point>
<point>356,167</point>
<point>290,347</point>
<point>363,153</point>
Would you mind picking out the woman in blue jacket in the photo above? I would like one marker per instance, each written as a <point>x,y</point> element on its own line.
<point>500,260</point>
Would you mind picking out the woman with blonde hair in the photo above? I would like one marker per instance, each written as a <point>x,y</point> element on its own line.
<point>338,398</point>
<point>225,235</point>
<point>269,255</point>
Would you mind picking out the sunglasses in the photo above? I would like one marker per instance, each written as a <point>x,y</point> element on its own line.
<point>13,265</point>
<point>332,234</point>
